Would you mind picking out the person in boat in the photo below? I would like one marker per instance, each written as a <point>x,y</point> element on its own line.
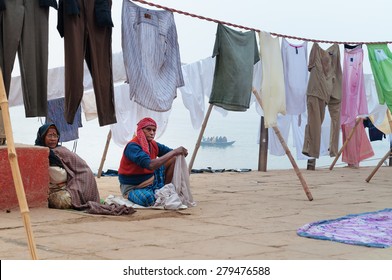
<point>146,165</point>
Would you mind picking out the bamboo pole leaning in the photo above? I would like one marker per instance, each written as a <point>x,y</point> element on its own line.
<point>104,153</point>
<point>387,155</point>
<point>288,153</point>
<point>13,159</point>
<point>197,145</point>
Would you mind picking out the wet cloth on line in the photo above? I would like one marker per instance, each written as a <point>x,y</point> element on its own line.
<point>236,53</point>
<point>354,104</point>
<point>151,56</point>
<point>295,67</point>
<point>354,101</point>
<point>371,229</point>
<point>374,133</point>
<point>359,147</point>
<point>128,113</point>
<point>324,89</point>
<point>272,84</point>
<point>68,132</point>
<point>380,58</point>
<point>198,78</point>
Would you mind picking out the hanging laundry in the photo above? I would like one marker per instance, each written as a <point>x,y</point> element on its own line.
<point>377,111</point>
<point>287,123</point>
<point>129,113</point>
<point>24,30</point>
<point>68,132</point>
<point>354,104</point>
<point>378,121</point>
<point>324,88</point>
<point>272,84</point>
<point>87,37</point>
<point>198,78</point>
<point>386,125</point>
<point>295,69</point>
<point>151,56</point>
<point>354,101</point>
<point>236,53</point>
<point>374,133</point>
<point>358,148</point>
<point>380,58</point>
<point>297,123</point>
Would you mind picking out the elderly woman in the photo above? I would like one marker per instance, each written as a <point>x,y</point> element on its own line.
<point>72,183</point>
<point>59,197</point>
<point>146,165</point>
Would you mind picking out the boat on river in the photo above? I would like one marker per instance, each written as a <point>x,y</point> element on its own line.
<point>220,142</point>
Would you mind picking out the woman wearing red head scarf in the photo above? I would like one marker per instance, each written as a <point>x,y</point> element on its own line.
<point>146,165</point>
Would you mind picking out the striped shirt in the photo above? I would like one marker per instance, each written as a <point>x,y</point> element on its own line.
<point>151,56</point>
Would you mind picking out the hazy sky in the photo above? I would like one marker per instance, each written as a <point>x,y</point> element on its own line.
<point>335,20</point>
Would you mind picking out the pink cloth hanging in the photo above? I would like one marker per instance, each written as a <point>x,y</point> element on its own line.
<point>354,104</point>
<point>353,86</point>
<point>359,147</point>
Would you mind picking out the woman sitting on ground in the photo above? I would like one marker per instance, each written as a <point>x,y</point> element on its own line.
<point>146,165</point>
<point>72,184</point>
<point>65,190</point>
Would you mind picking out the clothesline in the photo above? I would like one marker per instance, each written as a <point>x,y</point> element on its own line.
<point>257,30</point>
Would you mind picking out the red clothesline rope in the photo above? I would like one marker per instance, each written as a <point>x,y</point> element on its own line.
<point>257,30</point>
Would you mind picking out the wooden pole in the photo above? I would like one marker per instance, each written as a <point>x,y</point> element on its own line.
<point>197,145</point>
<point>390,149</point>
<point>378,166</point>
<point>294,164</point>
<point>387,155</point>
<point>105,151</point>
<point>390,137</point>
<point>263,147</point>
<point>358,120</point>
<point>288,153</point>
<point>311,164</point>
<point>13,159</point>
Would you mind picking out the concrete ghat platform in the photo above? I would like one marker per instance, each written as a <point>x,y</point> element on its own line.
<point>239,216</point>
